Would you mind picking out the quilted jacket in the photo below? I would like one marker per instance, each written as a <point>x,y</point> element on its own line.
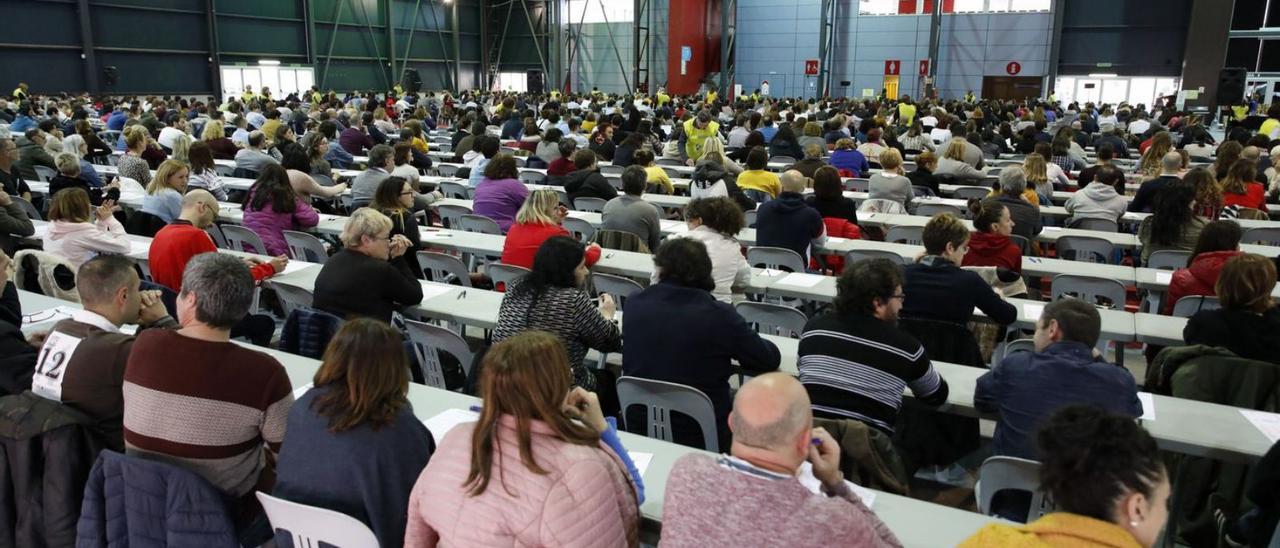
<point>585,498</point>
<point>307,332</point>
<point>136,503</point>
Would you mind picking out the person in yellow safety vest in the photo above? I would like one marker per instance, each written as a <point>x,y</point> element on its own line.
<point>663,98</point>
<point>969,97</point>
<point>906,111</point>
<point>555,95</point>
<point>248,94</point>
<point>398,89</point>
<point>711,97</point>
<point>696,131</point>
<point>20,92</point>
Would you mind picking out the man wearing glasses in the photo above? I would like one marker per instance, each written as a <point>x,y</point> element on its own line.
<point>855,362</point>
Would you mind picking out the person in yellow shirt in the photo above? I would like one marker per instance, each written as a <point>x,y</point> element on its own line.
<point>696,132</point>
<point>906,111</point>
<point>757,182</point>
<point>20,92</point>
<point>1271,127</point>
<point>1104,474</point>
<point>663,98</point>
<point>589,124</point>
<point>248,94</point>
<point>711,97</point>
<point>659,182</point>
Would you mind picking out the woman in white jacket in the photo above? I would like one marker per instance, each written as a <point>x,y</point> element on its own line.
<point>716,222</point>
<point>79,231</point>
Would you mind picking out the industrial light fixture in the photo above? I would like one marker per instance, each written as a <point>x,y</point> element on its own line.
<point>269,62</point>
<point>1102,75</point>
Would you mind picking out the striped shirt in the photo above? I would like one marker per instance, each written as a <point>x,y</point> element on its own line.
<point>206,406</point>
<point>856,366</point>
<point>567,313</point>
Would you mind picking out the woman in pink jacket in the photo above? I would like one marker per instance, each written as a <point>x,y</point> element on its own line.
<point>273,207</point>
<point>79,231</point>
<point>526,474</point>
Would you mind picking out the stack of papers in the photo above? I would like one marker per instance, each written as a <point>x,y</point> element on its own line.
<point>295,266</point>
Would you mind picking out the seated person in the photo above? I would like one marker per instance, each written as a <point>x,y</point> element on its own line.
<point>1101,199</point>
<point>359,281</point>
<point>357,409</point>
<point>526,473</point>
<point>937,288</point>
<point>1257,526</point>
<point>538,219</point>
<point>272,207</point>
<point>1248,322</point>
<point>860,340</point>
<point>92,375</point>
<point>587,181</point>
<point>788,222</point>
<point>70,176</point>
<point>677,332</point>
<point>564,164</point>
<point>197,400</point>
<point>757,181</point>
<point>630,213</point>
<point>78,231</point>
<point>990,244</point>
<point>780,484</point>
<point>1106,477</point>
<point>500,193</point>
<point>890,183</point>
<point>1173,223</point>
<point>1219,241</point>
<point>551,298</point>
<point>1065,369</point>
<point>716,222</point>
<point>926,164</point>
<point>1012,194</point>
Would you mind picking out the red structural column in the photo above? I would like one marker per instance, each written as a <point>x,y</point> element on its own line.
<point>692,24</point>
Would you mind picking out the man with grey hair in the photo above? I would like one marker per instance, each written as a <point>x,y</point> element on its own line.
<point>84,357</point>
<point>251,157</point>
<point>1025,215</point>
<point>1170,172</point>
<point>780,486</point>
<point>630,213</point>
<point>197,400</point>
<point>381,162</point>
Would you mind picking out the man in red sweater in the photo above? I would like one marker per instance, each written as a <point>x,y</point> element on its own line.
<point>185,238</point>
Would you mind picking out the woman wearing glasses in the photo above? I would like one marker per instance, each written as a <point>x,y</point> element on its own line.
<point>360,280</point>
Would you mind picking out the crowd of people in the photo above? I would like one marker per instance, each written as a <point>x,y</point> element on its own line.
<point>544,464</point>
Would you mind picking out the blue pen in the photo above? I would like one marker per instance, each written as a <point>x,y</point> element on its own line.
<point>475,408</point>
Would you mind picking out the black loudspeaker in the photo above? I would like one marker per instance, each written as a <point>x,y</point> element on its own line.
<point>111,74</point>
<point>1231,86</point>
<point>534,81</point>
<point>412,81</point>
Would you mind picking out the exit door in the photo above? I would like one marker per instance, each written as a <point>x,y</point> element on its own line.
<point>891,86</point>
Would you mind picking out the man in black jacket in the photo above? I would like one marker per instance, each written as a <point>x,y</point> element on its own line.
<point>586,181</point>
<point>17,358</point>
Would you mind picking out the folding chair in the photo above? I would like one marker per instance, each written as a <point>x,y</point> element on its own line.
<point>1093,223</point>
<point>446,170</point>
<point>1168,259</point>
<point>311,526</point>
<point>305,247</point>
<point>930,210</point>
<point>775,258</point>
<point>45,173</point>
<point>580,229</point>
<point>773,319</point>
<point>428,341</point>
<point>291,296</point>
<point>533,177</point>
<point>857,184</point>
<point>855,255</point>
<point>612,170</point>
<point>444,268</point>
<point>471,222</point>
<point>660,398</point>
<point>505,274</point>
<point>618,287</point>
<point>451,215</point>
<point>452,189</point>
<point>1261,235</point>
<point>1090,289</point>
<point>1187,307</point>
<point>782,159</point>
<point>1085,249</point>
<point>243,239</point>
<point>913,235</point>
<point>1011,474</point>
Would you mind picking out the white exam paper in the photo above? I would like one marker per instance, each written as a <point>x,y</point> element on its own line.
<point>641,460</point>
<point>1032,311</point>
<point>295,266</point>
<point>805,476</point>
<point>430,290</point>
<point>1164,277</point>
<point>1148,406</point>
<point>442,423</point>
<point>1268,423</point>
<point>800,279</point>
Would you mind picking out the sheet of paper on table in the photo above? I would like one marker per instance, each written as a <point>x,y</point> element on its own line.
<point>669,225</point>
<point>833,240</point>
<point>434,235</point>
<point>139,248</point>
<point>299,391</point>
<point>1268,423</point>
<point>641,460</point>
<point>1148,406</point>
<point>442,423</point>
<point>431,290</point>
<point>1032,311</point>
<point>805,476</point>
<point>800,279</point>
<point>295,266</point>
<point>1164,277</point>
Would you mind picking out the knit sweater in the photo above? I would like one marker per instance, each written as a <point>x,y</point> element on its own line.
<point>565,312</point>
<point>176,244</point>
<point>727,502</point>
<point>632,214</point>
<point>205,406</point>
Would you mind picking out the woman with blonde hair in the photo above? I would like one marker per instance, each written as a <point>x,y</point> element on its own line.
<point>953,165</point>
<point>713,151</point>
<point>359,280</point>
<point>131,164</point>
<point>1036,169</point>
<point>538,219</point>
<point>165,190</point>
<point>76,145</point>
<point>78,231</point>
<point>215,136</point>
<point>1161,144</point>
<point>890,183</point>
<point>522,475</point>
<point>182,148</point>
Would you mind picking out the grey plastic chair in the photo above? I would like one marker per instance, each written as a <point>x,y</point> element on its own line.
<point>660,398</point>
<point>581,230</point>
<point>451,214</point>
<point>616,286</point>
<point>1089,289</point>
<point>913,235</point>
<point>1187,307</point>
<point>452,189</point>
<point>305,247</point>
<point>749,218</point>
<point>1085,249</point>
<point>589,204</point>
<point>428,341</point>
<point>471,222</point>
<point>1009,348</point>
<point>775,258</point>
<point>855,255</point>
<point>29,208</point>
<point>444,268</point>
<point>1091,223</point>
<point>612,170</point>
<point>534,177</point>
<point>614,181</point>
<point>1168,259</point>
<point>783,159</point>
<point>971,192</point>
<point>447,170</point>
<point>505,274</point>
<point>929,210</point>
<point>291,296</point>
<point>243,239</point>
<point>45,173</point>
<point>1261,235</point>
<point>215,233</point>
<point>1011,473</point>
<point>227,171</point>
<point>1023,243</point>
<point>773,319</point>
<point>144,265</point>
<point>857,184</point>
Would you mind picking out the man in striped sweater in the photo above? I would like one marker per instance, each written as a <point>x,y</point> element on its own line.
<point>195,399</point>
<point>855,362</point>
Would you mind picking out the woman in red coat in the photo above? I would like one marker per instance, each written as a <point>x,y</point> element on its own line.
<point>990,244</point>
<point>1238,188</point>
<point>538,219</point>
<point>1218,241</point>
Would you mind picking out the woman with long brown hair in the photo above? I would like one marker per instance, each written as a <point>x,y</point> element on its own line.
<point>353,443</point>
<point>541,467</point>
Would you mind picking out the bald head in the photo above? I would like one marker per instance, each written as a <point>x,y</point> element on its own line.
<point>793,181</point>
<point>770,411</point>
<point>1171,162</point>
<point>1251,153</point>
<point>199,207</point>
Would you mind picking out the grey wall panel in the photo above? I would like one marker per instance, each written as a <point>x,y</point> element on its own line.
<point>152,73</point>
<point>131,28</point>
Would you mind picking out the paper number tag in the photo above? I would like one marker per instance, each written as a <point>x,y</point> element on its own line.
<point>52,365</point>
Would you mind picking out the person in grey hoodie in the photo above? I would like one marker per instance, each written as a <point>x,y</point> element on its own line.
<point>1100,200</point>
